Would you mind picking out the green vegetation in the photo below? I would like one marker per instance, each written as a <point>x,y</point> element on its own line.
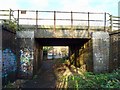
<point>91,80</point>
<point>72,77</point>
<point>47,48</point>
<point>11,25</point>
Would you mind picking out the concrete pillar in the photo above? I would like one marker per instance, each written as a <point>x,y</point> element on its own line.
<point>25,40</point>
<point>100,51</point>
<point>71,54</point>
<point>74,54</point>
<point>38,57</point>
<point>36,53</point>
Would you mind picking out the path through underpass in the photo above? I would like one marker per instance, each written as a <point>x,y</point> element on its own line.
<point>45,79</point>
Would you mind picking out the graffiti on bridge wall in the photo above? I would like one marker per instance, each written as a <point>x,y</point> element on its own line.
<point>9,63</point>
<point>26,62</point>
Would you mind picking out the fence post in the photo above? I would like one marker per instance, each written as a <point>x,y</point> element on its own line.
<point>111,23</point>
<point>10,14</point>
<point>54,20</point>
<point>36,20</point>
<point>71,20</point>
<point>105,22</point>
<point>18,21</point>
<point>88,21</point>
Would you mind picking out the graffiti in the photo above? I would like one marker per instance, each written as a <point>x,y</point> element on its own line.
<point>26,59</point>
<point>9,63</point>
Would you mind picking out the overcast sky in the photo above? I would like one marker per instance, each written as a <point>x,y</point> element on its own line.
<point>110,6</point>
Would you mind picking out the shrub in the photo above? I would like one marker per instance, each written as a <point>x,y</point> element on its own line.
<point>91,80</point>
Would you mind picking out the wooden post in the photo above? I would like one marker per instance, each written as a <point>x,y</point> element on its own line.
<point>88,21</point>
<point>71,20</point>
<point>36,20</point>
<point>111,22</point>
<point>105,22</point>
<point>54,20</point>
<point>88,24</point>
<point>18,21</point>
<point>10,14</point>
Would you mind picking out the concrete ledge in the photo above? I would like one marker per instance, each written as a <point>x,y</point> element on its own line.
<point>61,34</point>
<point>25,34</point>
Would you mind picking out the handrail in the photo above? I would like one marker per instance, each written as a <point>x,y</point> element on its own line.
<point>37,18</point>
<point>115,22</point>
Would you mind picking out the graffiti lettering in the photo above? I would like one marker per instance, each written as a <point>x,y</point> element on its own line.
<point>26,59</point>
<point>8,62</point>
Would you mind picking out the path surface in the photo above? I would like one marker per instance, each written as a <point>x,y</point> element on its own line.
<point>45,79</point>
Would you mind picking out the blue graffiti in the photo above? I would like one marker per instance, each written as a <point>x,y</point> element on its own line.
<point>9,62</point>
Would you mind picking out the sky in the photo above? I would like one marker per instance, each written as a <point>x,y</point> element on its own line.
<point>109,6</point>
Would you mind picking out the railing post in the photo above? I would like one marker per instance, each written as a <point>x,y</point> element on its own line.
<point>10,14</point>
<point>88,21</point>
<point>36,20</point>
<point>71,20</point>
<point>105,22</point>
<point>111,23</point>
<point>18,21</point>
<point>54,20</point>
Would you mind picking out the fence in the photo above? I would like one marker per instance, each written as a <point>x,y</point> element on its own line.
<point>115,22</point>
<point>56,19</point>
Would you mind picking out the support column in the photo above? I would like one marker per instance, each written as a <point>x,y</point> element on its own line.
<point>74,54</point>
<point>100,51</point>
<point>25,40</point>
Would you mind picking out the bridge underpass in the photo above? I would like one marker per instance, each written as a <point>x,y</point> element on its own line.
<point>88,50</point>
<point>88,39</point>
<point>74,44</point>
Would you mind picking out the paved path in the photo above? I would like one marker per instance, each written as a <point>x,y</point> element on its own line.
<point>45,79</point>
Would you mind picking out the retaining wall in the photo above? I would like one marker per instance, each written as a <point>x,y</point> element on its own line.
<point>9,56</point>
<point>114,50</point>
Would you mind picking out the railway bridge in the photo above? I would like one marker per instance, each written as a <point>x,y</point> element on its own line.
<point>87,34</point>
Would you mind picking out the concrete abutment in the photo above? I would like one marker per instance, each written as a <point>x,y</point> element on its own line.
<point>91,54</point>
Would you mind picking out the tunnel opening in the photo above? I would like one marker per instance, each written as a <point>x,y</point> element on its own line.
<point>55,52</point>
<point>76,48</point>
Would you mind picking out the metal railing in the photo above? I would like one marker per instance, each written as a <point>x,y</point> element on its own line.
<point>7,15</point>
<point>58,19</point>
<point>8,20</point>
<point>115,22</point>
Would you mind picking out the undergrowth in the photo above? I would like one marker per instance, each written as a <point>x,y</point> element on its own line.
<point>91,80</point>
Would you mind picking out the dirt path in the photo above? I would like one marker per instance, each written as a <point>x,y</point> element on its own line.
<point>45,79</point>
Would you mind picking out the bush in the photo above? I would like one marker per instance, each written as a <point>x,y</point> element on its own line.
<point>10,25</point>
<point>90,80</point>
